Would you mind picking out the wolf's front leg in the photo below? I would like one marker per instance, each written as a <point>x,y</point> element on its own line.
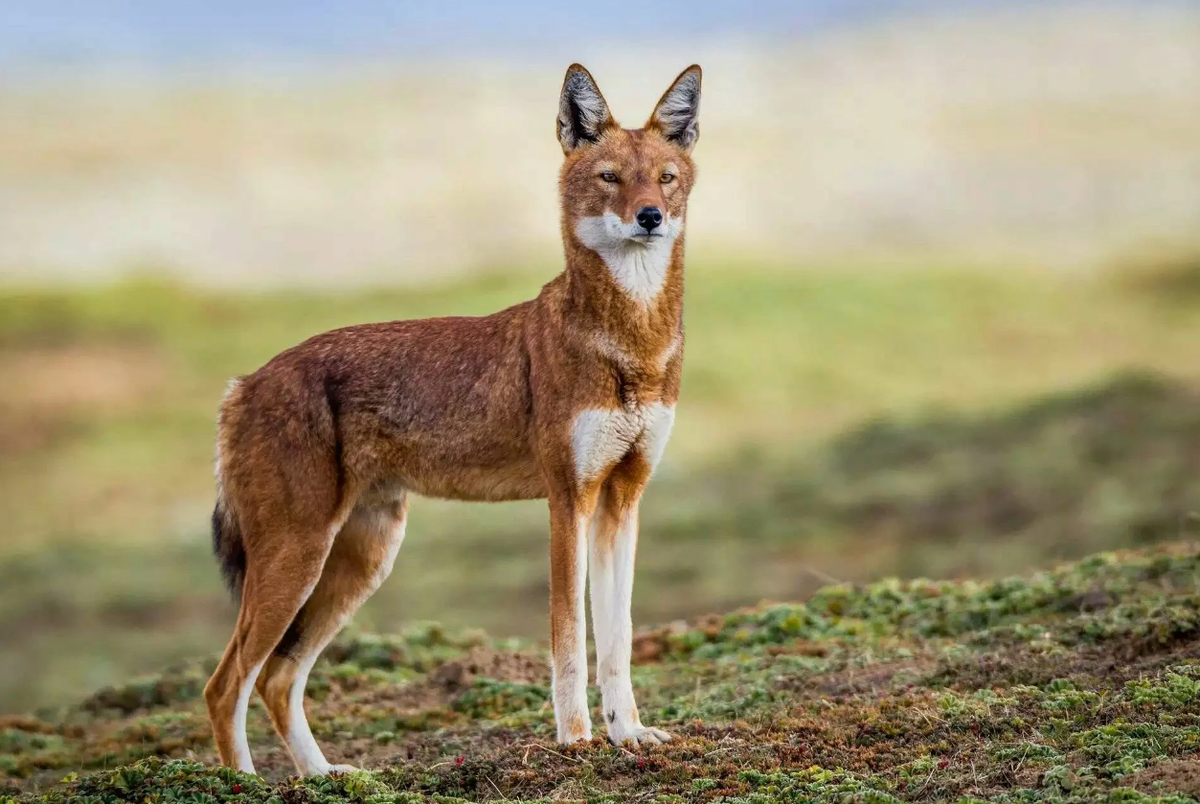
<point>568,629</point>
<point>613,547</point>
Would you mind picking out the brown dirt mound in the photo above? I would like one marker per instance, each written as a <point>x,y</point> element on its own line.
<point>521,668</point>
<point>873,681</point>
<point>1106,666</point>
<point>26,724</point>
<point>1177,776</point>
<point>652,645</point>
<point>442,686</point>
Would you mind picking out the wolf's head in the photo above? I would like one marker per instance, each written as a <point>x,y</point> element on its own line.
<point>624,191</point>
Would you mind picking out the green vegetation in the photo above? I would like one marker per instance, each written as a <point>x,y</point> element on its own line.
<point>1003,430</point>
<point>1077,684</point>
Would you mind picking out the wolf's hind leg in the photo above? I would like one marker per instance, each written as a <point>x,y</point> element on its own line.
<point>360,560</point>
<point>280,575</point>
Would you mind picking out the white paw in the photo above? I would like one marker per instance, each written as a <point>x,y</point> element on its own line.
<point>638,736</point>
<point>575,737</point>
<point>575,727</point>
<point>341,769</point>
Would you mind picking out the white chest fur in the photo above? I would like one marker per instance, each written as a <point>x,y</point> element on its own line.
<point>601,437</point>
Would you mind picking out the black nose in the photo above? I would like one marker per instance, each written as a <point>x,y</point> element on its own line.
<point>649,218</point>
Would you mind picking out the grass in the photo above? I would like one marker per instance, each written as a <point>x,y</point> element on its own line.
<point>1074,684</point>
<point>940,421</point>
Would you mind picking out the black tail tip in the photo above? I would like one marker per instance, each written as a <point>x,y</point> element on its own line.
<point>229,550</point>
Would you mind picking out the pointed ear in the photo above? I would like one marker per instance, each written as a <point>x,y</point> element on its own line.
<point>582,113</point>
<point>677,115</point>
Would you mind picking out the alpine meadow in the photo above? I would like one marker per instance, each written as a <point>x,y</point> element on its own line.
<point>927,527</point>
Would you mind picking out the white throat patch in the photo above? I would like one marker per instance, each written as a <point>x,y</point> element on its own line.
<point>639,267</point>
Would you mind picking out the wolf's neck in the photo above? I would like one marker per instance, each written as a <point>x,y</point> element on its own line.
<point>632,293</point>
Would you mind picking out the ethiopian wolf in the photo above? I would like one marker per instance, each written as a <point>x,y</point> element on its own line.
<point>568,397</point>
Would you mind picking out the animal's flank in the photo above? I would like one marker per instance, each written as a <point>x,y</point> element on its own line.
<point>229,548</point>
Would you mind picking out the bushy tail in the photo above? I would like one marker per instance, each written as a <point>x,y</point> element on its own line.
<point>229,548</point>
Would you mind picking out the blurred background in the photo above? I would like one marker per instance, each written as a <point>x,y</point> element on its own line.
<point>943,296</point>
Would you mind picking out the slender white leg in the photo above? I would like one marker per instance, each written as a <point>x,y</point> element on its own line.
<point>241,744</point>
<point>305,751</point>
<point>612,622</point>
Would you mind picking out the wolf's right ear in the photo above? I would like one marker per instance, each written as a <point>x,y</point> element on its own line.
<point>582,113</point>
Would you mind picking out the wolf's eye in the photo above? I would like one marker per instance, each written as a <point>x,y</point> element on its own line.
<point>666,178</point>
<point>609,177</point>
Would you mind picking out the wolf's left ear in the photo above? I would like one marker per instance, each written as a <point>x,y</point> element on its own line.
<point>677,116</point>
<point>582,113</point>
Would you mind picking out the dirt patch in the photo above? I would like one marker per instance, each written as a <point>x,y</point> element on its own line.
<point>1177,776</point>
<point>106,377</point>
<point>653,645</point>
<point>1143,649</point>
<point>871,680</point>
<point>26,724</point>
<point>53,388</point>
<point>520,668</point>
<point>449,680</point>
<point>1106,666</point>
<point>1011,667</point>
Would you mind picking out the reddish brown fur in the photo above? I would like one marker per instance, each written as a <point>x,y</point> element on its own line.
<point>317,448</point>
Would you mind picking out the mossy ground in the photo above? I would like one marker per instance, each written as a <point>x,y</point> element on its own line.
<point>1077,684</point>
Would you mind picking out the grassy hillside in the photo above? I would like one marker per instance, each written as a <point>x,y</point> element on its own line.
<point>1077,684</point>
<point>941,422</point>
